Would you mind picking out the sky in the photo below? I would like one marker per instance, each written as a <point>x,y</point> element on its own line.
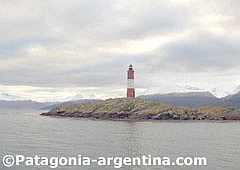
<point>62,50</point>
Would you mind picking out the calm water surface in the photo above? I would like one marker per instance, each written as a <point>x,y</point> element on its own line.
<point>27,133</point>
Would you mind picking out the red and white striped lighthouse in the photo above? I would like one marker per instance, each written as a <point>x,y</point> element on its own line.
<point>130,82</point>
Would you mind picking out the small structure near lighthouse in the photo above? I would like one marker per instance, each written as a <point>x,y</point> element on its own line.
<point>130,82</point>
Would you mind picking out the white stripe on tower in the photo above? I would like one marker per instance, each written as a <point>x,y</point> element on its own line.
<point>130,83</point>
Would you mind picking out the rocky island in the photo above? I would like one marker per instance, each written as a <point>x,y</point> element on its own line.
<point>139,109</point>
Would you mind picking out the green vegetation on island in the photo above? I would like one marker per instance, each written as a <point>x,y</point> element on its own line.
<point>139,109</point>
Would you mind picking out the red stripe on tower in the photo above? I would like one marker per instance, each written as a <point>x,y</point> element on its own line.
<point>130,82</point>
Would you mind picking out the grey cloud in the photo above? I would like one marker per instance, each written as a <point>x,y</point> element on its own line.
<point>202,52</point>
<point>101,21</point>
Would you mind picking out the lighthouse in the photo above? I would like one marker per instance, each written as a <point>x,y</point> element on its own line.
<point>130,82</point>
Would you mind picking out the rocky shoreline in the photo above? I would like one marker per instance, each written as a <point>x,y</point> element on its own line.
<point>140,110</point>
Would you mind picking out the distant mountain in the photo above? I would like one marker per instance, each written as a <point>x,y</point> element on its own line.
<point>191,99</point>
<point>22,104</point>
<point>29,104</point>
<point>230,101</point>
<point>188,99</point>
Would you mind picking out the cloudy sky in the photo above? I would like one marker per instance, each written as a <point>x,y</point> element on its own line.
<point>71,49</point>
